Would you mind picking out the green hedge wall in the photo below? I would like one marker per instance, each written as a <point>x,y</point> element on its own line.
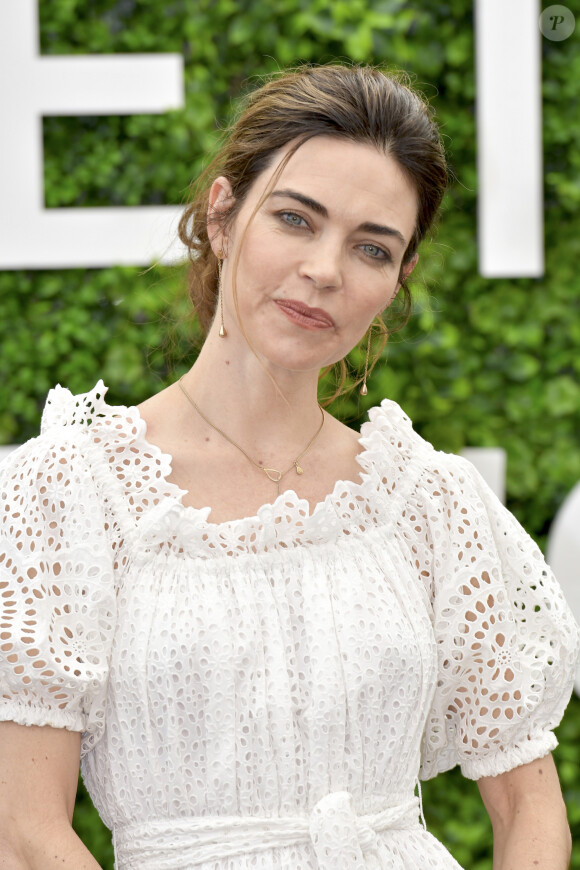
<point>483,362</point>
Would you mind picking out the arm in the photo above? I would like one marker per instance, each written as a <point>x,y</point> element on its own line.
<point>528,816</point>
<point>38,782</point>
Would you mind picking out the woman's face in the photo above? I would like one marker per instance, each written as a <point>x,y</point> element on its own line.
<point>322,255</point>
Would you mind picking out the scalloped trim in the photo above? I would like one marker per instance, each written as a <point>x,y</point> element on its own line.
<point>154,517</point>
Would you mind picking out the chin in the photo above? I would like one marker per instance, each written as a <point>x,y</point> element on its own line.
<point>291,363</point>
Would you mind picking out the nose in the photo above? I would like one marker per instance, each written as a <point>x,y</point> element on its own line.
<point>323,264</point>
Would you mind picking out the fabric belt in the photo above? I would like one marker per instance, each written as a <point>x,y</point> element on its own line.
<point>341,839</point>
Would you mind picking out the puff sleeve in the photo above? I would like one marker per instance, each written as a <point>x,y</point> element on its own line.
<point>506,640</point>
<point>56,587</point>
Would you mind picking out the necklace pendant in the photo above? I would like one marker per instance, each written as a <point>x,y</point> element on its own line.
<point>273,473</point>
<point>299,470</point>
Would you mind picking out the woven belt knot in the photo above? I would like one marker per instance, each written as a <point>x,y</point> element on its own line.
<point>342,840</point>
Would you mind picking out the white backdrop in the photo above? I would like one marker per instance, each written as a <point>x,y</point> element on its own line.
<point>31,86</point>
<point>509,145</point>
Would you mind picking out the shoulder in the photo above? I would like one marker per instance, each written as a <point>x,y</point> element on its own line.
<point>388,424</point>
<point>86,449</point>
<point>400,454</point>
<point>88,414</point>
<point>50,482</point>
<point>439,498</point>
<point>391,429</point>
<point>107,435</point>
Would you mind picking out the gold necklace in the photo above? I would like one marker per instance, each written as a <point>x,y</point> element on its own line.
<point>272,474</point>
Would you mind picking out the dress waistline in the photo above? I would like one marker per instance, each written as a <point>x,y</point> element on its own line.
<point>340,838</point>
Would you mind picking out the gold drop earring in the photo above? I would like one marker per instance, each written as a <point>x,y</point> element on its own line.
<point>364,389</point>
<point>223,331</point>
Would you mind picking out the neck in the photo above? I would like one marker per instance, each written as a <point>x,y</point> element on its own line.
<point>258,406</point>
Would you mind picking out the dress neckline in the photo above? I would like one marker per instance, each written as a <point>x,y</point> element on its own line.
<point>286,497</point>
<point>154,506</point>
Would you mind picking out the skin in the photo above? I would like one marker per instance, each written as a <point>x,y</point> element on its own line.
<point>261,388</point>
<point>528,815</point>
<point>38,781</point>
<point>290,250</point>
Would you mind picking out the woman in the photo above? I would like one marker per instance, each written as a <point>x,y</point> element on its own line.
<point>266,627</point>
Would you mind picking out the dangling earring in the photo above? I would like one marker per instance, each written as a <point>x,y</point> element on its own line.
<point>223,332</point>
<point>364,389</point>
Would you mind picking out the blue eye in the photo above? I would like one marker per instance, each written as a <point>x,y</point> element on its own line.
<point>292,218</point>
<point>374,251</point>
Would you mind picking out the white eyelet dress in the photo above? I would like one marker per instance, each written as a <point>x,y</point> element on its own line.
<point>264,694</point>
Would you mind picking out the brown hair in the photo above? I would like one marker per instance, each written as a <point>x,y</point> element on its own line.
<point>359,103</point>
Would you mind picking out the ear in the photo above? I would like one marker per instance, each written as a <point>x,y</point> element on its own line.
<point>408,268</point>
<point>220,200</point>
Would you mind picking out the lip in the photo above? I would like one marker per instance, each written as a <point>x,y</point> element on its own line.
<point>302,314</point>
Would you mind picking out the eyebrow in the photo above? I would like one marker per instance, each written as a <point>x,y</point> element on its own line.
<point>318,208</point>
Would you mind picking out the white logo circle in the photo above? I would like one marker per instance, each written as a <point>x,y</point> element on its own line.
<point>557,23</point>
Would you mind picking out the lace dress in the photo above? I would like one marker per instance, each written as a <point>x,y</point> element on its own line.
<point>263,694</point>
